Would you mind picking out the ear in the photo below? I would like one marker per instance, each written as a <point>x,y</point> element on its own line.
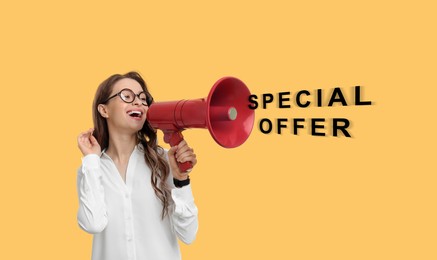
<point>103,110</point>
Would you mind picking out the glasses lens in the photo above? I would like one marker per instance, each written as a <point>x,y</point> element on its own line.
<point>149,100</point>
<point>144,98</point>
<point>127,95</point>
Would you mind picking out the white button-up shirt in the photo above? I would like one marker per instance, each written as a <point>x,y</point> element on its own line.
<point>125,217</point>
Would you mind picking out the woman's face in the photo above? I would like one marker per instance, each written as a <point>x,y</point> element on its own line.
<point>126,116</point>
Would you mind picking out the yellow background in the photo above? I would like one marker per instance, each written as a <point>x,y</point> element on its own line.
<point>372,196</point>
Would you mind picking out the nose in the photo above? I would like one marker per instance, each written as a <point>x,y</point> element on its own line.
<point>137,101</point>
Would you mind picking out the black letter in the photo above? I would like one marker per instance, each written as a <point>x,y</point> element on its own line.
<point>296,126</point>
<point>336,127</point>
<point>340,97</point>
<point>265,100</point>
<point>281,99</point>
<point>319,97</point>
<point>358,102</point>
<point>252,99</point>
<point>299,104</point>
<point>314,126</point>
<point>269,123</point>
<point>280,120</point>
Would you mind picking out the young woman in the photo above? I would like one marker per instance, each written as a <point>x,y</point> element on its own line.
<point>132,196</point>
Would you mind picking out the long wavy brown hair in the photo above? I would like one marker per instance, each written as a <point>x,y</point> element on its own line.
<point>153,153</point>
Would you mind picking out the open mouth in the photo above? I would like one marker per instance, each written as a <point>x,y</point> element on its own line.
<point>135,114</point>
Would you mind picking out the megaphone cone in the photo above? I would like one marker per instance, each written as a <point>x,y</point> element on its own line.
<point>229,119</point>
<point>225,113</point>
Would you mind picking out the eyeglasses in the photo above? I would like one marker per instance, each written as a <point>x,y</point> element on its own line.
<point>128,96</point>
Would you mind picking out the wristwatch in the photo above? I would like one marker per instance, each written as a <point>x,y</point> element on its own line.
<point>180,184</point>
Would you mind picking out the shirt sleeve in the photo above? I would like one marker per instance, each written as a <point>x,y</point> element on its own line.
<point>184,217</point>
<point>184,214</point>
<point>92,214</point>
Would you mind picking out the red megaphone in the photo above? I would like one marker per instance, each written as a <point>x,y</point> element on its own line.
<point>225,113</point>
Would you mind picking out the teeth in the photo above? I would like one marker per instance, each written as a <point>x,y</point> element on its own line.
<point>135,113</point>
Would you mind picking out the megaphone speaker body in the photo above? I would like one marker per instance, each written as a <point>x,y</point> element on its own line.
<point>225,113</point>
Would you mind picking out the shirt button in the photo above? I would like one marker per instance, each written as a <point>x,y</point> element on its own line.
<point>126,196</point>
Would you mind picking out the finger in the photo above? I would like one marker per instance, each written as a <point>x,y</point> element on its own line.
<point>90,132</point>
<point>182,150</point>
<point>191,159</point>
<point>172,151</point>
<point>186,157</point>
<point>194,162</point>
<point>81,135</point>
<point>85,133</point>
<point>182,154</point>
<point>84,141</point>
<point>93,140</point>
<point>80,139</point>
<point>182,143</point>
<point>179,155</point>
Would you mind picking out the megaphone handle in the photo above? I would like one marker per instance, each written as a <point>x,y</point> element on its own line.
<point>174,138</point>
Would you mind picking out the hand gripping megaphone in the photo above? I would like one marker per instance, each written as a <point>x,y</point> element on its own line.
<point>225,112</point>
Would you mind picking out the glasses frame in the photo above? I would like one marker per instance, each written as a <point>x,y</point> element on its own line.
<point>149,99</point>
